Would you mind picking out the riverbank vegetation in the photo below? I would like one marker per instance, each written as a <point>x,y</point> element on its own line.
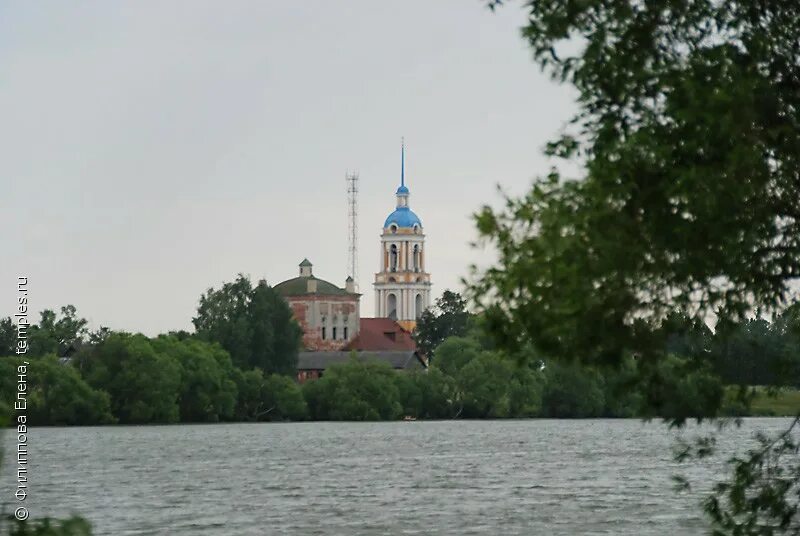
<point>192,377</point>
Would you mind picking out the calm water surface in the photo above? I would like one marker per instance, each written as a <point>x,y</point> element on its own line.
<point>454,477</point>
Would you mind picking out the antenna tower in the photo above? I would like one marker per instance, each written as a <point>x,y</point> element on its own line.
<point>352,230</point>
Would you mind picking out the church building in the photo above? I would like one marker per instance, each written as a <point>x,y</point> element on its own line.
<point>330,315</point>
<point>402,286</point>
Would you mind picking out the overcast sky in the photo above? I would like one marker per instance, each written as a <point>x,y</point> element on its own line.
<point>149,150</point>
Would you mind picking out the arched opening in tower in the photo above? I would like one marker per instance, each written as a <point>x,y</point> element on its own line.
<point>393,258</point>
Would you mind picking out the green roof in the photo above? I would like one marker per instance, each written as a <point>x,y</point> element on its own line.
<point>299,286</point>
<point>305,262</point>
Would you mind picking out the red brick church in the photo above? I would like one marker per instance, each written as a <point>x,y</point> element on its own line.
<point>330,315</point>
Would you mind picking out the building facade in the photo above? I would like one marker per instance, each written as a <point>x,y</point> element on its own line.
<point>329,315</point>
<point>312,365</point>
<point>402,286</point>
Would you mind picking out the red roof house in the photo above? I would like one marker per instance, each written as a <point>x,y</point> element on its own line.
<point>381,334</point>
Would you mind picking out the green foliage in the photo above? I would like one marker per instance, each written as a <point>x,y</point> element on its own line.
<point>144,384</point>
<point>249,399</point>
<point>757,352</point>
<point>59,396</point>
<point>484,383</point>
<point>73,526</point>
<point>207,390</point>
<point>410,393</point>
<point>760,499</point>
<point>8,336</point>
<point>359,390</point>
<point>480,383</point>
<point>572,391</point>
<point>687,134</point>
<point>283,397</point>
<point>447,318</point>
<point>525,392</point>
<point>455,352</point>
<point>271,398</point>
<point>622,390</point>
<point>431,395</point>
<point>53,334</point>
<point>679,389</point>
<point>689,203</point>
<point>254,324</point>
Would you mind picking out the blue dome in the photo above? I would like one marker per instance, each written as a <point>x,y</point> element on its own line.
<point>403,217</point>
<point>402,190</point>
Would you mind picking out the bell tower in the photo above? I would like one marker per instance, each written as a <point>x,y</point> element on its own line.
<point>402,286</point>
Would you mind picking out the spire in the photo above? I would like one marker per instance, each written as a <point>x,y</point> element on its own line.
<point>402,190</point>
<point>402,161</point>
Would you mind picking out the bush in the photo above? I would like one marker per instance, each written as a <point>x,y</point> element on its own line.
<point>144,384</point>
<point>572,392</point>
<point>359,390</point>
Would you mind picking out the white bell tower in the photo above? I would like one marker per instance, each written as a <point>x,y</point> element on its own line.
<point>402,286</point>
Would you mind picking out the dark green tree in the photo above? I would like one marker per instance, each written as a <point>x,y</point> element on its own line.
<point>572,391</point>
<point>687,134</point>
<point>410,394</point>
<point>752,352</point>
<point>60,397</point>
<point>359,390</point>
<point>8,337</point>
<point>480,383</point>
<point>144,384</point>
<point>447,318</point>
<point>689,203</point>
<point>455,353</point>
<point>253,323</point>
<point>207,391</point>
<point>55,333</point>
<point>439,396</point>
<point>271,398</point>
<point>249,388</point>
<point>485,384</point>
<point>679,389</point>
<point>283,399</point>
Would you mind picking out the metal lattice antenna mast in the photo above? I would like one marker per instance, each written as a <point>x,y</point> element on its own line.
<point>352,217</point>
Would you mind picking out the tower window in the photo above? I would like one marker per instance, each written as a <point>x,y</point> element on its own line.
<point>391,306</point>
<point>344,332</point>
<point>334,332</point>
<point>393,258</point>
<point>323,333</point>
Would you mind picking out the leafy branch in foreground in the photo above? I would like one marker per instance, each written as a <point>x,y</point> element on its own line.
<point>761,498</point>
<point>688,132</point>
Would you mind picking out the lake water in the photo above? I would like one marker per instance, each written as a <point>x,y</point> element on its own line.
<point>528,477</point>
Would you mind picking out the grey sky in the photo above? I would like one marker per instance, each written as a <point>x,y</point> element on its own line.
<point>149,150</point>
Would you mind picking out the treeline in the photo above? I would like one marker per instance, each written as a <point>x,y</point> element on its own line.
<point>127,378</point>
<point>240,365</point>
<point>132,379</point>
<point>757,351</point>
